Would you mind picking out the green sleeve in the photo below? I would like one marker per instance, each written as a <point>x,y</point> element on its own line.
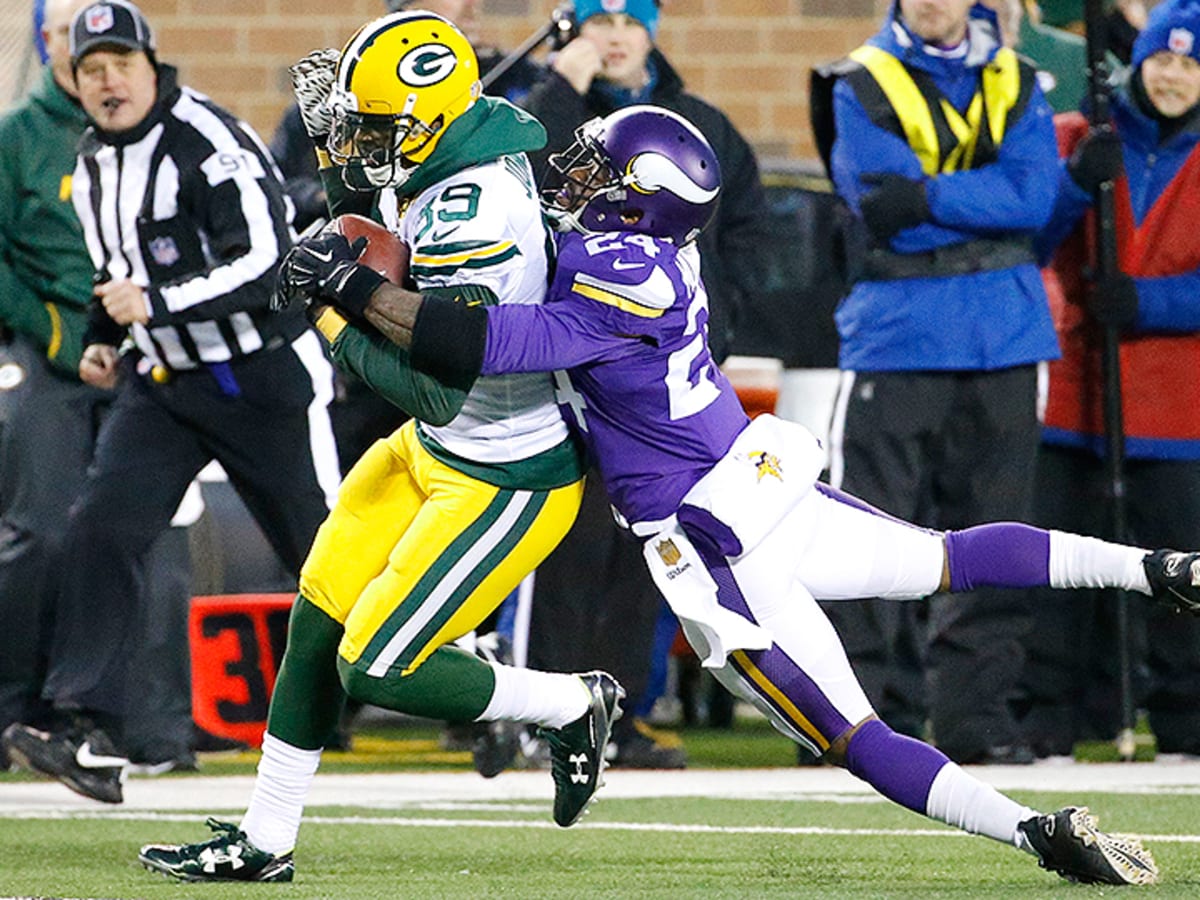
<point>385,368</point>
<point>55,327</point>
<point>341,200</point>
<point>20,308</point>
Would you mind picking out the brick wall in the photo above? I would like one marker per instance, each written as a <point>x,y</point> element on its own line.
<point>749,57</point>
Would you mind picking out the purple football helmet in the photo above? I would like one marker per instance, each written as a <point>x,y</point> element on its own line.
<point>641,168</point>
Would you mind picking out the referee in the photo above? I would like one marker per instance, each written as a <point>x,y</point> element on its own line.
<point>185,221</point>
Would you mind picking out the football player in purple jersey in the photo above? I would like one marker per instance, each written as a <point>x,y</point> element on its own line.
<point>739,536</point>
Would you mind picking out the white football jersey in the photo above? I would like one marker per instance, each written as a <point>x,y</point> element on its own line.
<point>484,226</point>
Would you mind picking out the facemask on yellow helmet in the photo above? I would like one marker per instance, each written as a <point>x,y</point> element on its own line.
<point>400,82</point>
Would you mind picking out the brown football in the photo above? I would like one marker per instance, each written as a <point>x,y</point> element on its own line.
<point>385,253</point>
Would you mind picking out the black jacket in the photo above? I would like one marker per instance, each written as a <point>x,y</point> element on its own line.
<point>727,245</point>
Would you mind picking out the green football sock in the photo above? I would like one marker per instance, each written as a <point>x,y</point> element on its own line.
<point>451,685</point>
<point>308,697</point>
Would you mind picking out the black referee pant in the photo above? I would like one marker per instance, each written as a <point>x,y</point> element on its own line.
<point>50,424</point>
<point>275,443</point>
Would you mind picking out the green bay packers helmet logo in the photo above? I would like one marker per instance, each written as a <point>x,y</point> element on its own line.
<point>426,65</point>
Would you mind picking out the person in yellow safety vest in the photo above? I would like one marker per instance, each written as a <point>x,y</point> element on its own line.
<point>949,166</point>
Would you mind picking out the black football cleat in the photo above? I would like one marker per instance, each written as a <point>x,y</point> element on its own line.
<point>82,758</point>
<point>229,856</point>
<point>1069,843</point>
<point>577,749</point>
<point>1174,579</point>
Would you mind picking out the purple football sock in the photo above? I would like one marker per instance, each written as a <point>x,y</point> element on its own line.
<point>1003,554</point>
<point>899,767</point>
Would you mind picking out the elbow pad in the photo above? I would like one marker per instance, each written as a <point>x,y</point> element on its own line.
<point>448,341</point>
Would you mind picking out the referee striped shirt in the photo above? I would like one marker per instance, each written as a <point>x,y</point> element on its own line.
<point>190,206</point>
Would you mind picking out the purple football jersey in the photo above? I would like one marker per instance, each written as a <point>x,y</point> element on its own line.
<point>624,328</point>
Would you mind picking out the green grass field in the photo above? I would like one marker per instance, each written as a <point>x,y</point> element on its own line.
<point>826,846</point>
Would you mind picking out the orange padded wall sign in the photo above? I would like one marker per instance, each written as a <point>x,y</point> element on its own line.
<point>236,643</point>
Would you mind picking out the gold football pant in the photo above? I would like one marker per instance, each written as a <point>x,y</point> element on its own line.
<point>416,554</point>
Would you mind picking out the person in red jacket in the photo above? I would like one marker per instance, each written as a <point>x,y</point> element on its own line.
<point>1154,299</point>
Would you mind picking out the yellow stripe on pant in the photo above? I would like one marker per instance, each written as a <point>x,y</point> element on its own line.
<point>416,554</point>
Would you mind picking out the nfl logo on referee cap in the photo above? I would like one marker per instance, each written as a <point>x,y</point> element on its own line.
<point>118,25</point>
<point>98,19</point>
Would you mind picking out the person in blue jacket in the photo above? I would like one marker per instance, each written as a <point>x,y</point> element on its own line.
<point>944,149</point>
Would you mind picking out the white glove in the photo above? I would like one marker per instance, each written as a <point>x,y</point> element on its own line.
<point>312,82</point>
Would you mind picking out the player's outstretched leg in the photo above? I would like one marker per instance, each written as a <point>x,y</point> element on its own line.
<point>577,749</point>
<point>922,779</point>
<point>1175,579</point>
<point>229,856</point>
<point>1069,843</point>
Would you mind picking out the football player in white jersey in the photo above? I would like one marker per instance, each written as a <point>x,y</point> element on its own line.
<point>437,523</point>
<point>739,537</point>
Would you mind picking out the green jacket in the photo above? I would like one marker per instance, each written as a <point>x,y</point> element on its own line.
<point>1061,60</point>
<point>45,270</point>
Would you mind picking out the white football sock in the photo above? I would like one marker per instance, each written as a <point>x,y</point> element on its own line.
<point>552,699</point>
<point>965,802</point>
<point>1077,561</point>
<point>285,773</point>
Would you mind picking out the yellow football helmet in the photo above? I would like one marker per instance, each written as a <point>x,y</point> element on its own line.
<point>400,82</point>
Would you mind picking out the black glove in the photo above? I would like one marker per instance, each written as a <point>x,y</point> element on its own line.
<point>325,268</point>
<point>1096,159</point>
<point>1113,301</point>
<point>894,204</point>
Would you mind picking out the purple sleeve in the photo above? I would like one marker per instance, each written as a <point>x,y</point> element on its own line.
<point>544,338</point>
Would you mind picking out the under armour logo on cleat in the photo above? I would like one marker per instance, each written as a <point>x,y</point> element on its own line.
<point>212,857</point>
<point>580,762</point>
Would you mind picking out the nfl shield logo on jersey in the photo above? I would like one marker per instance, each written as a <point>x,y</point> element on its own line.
<point>164,251</point>
<point>668,552</point>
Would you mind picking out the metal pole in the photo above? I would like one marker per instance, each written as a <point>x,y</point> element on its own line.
<point>1105,264</point>
<point>561,26</point>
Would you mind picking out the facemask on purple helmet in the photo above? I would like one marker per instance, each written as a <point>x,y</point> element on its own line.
<point>643,169</point>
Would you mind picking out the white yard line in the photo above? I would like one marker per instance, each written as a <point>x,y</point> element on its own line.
<point>408,789</point>
<point>546,825</point>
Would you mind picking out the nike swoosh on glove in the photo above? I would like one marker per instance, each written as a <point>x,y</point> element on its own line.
<point>325,267</point>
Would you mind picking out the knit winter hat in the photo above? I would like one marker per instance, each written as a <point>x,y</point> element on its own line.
<point>1173,25</point>
<point>645,11</point>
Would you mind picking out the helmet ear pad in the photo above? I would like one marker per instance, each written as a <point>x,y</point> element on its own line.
<point>414,70</point>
